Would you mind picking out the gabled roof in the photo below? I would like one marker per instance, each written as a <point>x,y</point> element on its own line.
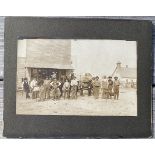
<point>126,72</point>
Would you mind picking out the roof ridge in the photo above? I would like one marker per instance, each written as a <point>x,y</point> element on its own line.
<point>128,67</point>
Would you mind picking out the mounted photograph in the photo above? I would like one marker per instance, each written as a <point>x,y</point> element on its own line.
<point>81,77</point>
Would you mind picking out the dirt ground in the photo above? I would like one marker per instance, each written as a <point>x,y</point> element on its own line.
<point>86,106</point>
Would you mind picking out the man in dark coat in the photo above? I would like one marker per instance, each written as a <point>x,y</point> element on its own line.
<point>26,88</point>
<point>80,87</point>
<point>62,81</point>
<point>90,87</point>
<point>47,88</point>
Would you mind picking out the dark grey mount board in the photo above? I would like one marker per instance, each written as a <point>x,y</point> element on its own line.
<point>79,126</point>
<point>1,72</point>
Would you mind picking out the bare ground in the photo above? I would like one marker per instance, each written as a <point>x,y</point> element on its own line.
<point>87,106</point>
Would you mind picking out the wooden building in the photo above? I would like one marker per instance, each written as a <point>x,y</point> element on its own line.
<point>126,75</point>
<point>42,57</point>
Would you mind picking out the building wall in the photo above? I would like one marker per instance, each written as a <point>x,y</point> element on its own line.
<point>20,70</point>
<point>21,60</point>
<point>42,53</point>
<point>125,82</point>
<point>48,53</point>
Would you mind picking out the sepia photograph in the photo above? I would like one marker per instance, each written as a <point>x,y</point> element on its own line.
<point>81,77</point>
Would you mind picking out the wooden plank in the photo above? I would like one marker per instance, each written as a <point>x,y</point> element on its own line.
<point>43,52</point>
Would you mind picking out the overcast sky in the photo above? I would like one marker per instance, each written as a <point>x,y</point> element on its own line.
<point>99,57</point>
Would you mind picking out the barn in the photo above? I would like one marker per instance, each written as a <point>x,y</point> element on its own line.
<point>126,75</point>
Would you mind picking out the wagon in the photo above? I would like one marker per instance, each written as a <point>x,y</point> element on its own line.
<point>85,81</point>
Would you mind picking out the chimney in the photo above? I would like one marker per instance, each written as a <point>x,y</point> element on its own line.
<point>118,65</point>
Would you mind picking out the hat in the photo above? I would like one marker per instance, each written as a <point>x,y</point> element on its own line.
<point>97,77</point>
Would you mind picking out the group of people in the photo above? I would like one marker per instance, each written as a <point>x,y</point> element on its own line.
<point>70,88</point>
<point>107,86</point>
<point>50,88</point>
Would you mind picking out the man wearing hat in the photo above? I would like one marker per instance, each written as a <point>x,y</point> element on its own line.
<point>110,86</point>
<point>116,87</point>
<point>96,86</point>
<point>90,87</point>
<point>26,88</point>
<point>55,89</point>
<point>54,75</point>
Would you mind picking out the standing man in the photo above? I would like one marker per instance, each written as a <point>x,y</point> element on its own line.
<point>26,88</point>
<point>110,86</point>
<point>93,79</point>
<point>62,81</point>
<point>132,84</point>
<point>116,88</point>
<point>66,88</point>
<point>33,84</point>
<point>41,90</point>
<point>104,87</point>
<point>80,87</point>
<point>90,86</point>
<point>97,86</point>
<point>55,89</point>
<point>74,85</point>
<point>47,88</point>
<point>54,75</point>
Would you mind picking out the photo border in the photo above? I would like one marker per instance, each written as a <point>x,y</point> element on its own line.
<point>52,126</point>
